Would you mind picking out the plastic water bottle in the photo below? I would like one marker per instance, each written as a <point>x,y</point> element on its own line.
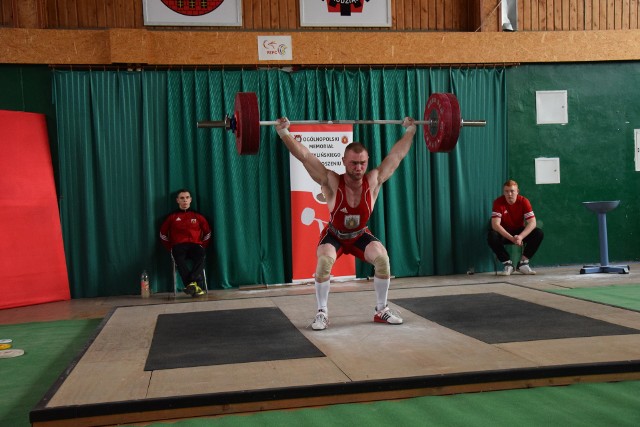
<point>144,285</point>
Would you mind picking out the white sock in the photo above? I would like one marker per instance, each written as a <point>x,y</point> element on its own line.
<point>382,289</point>
<point>322,295</point>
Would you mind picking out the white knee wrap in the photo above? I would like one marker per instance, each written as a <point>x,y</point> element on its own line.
<point>382,266</point>
<point>323,268</point>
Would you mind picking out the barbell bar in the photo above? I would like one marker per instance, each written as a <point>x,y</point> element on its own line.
<point>442,122</point>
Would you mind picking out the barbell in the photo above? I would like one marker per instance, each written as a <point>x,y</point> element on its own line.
<point>442,122</point>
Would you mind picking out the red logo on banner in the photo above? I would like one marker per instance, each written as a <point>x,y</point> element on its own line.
<point>192,7</point>
<point>308,218</point>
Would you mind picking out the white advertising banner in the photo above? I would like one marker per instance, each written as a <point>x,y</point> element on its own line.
<point>309,212</point>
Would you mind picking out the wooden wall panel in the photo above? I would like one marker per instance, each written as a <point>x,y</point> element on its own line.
<point>491,15</point>
<point>397,14</point>
<point>101,15</point>
<point>587,14</point>
<point>572,11</point>
<point>602,18</point>
<point>577,15</point>
<point>68,13</point>
<point>580,15</point>
<point>284,15</point>
<point>431,23</point>
<point>611,15</point>
<point>428,15</point>
<point>6,14</point>
<point>450,9</point>
<point>26,16</point>
<point>550,18</point>
<point>565,15</point>
<point>542,16</point>
<point>293,16</point>
<point>424,13</point>
<point>625,14</point>
<point>28,46</point>
<point>534,7</point>
<point>439,11</point>
<point>417,14</point>
<point>271,11</point>
<point>89,14</point>
<point>313,48</point>
<point>51,11</point>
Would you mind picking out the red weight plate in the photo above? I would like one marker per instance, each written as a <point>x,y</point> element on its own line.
<point>247,118</point>
<point>456,121</point>
<point>438,111</point>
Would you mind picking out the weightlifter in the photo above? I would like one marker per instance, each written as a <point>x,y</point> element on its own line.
<point>350,198</point>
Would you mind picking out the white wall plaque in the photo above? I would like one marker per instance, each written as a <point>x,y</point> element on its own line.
<point>551,107</point>
<point>275,48</point>
<point>548,170</point>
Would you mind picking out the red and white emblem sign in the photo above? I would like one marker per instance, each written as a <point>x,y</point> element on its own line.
<point>192,12</point>
<point>345,7</point>
<point>192,7</point>
<point>345,13</point>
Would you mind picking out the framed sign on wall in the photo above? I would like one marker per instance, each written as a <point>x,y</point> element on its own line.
<point>345,13</point>
<point>215,13</point>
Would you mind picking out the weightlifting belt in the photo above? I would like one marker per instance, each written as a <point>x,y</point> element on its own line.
<point>346,236</point>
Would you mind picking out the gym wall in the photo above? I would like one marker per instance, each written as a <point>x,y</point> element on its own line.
<point>596,152</point>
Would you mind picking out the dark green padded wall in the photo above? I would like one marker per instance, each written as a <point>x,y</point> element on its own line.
<point>25,88</point>
<point>596,151</point>
<point>28,88</point>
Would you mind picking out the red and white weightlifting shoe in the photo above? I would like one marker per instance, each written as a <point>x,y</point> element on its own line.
<point>386,315</point>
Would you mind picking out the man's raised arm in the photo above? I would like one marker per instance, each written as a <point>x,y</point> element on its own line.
<point>398,152</point>
<point>318,172</point>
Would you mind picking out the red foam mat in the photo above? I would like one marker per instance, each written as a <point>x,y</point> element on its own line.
<point>32,263</point>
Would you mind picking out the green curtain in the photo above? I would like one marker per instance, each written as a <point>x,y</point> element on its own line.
<point>128,141</point>
<point>112,162</point>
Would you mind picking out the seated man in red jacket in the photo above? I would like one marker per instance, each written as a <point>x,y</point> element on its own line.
<point>186,234</point>
<point>513,222</point>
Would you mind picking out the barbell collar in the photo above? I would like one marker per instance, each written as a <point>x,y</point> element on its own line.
<point>227,123</point>
<point>212,124</point>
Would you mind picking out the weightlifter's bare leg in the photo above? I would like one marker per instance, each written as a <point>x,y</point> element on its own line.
<point>326,257</point>
<point>376,254</point>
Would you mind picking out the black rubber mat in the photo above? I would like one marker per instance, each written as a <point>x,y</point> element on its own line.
<point>495,318</point>
<point>224,337</point>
